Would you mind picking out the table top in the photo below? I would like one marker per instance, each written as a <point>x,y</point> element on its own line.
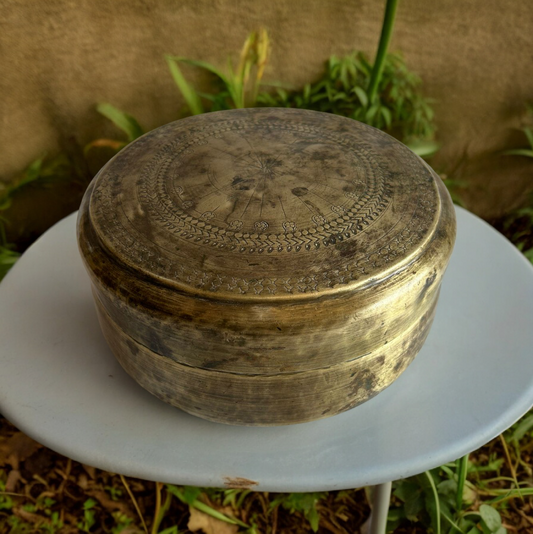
<point>60,383</point>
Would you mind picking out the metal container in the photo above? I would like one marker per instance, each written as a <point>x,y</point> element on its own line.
<point>266,266</point>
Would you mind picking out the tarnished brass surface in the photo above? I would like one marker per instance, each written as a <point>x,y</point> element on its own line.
<point>266,266</point>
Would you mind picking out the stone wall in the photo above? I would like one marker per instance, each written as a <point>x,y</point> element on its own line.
<point>60,57</point>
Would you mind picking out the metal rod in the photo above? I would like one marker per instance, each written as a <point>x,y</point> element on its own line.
<point>380,508</point>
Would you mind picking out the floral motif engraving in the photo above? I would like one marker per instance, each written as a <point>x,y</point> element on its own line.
<point>361,204</point>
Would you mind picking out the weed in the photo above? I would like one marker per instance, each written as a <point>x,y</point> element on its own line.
<point>398,107</point>
<point>236,87</point>
<point>122,522</point>
<point>527,128</point>
<point>121,120</point>
<point>88,516</point>
<point>190,495</point>
<point>305,503</point>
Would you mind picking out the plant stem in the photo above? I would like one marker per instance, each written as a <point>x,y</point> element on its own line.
<point>386,32</point>
<point>510,462</point>
<point>134,501</point>
<point>157,513</point>
<point>462,466</point>
<point>436,497</point>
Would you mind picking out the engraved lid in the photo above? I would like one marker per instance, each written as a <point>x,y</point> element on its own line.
<point>265,203</point>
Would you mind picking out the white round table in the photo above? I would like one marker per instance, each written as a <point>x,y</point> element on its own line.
<point>61,385</point>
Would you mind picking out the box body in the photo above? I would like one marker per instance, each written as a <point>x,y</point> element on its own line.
<point>266,266</point>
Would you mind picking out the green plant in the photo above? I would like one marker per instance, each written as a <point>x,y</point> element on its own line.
<point>121,120</point>
<point>518,227</point>
<point>236,88</point>
<point>442,499</point>
<point>398,107</point>
<point>191,495</point>
<point>88,516</point>
<point>6,503</point>
<point>8,258</point>
<point>42,171</point>
<point>527,128</point>
<point>305,503</point>
<point>384,40</point>
<point>45,172</point>
<point>122,522</point>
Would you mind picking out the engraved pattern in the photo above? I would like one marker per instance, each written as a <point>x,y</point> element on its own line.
<point>179,209</point>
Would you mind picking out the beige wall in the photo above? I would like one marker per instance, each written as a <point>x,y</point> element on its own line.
<point>60,57</point>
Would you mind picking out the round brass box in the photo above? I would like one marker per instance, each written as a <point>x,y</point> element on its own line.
<point>266,266</point>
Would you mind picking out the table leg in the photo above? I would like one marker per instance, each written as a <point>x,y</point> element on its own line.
<point>380,508</point>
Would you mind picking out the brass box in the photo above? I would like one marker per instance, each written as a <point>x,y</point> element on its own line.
<point>266,266</point>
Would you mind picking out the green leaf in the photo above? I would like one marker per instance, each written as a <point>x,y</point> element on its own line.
<point>7,259</point>
<point>519,152</point>
<point>529,254</point>
<point>406,489</point>
<point>191,493</point>
<point>203,65</point>
<point>313,518</point>
<point>89,503</point>
<point>387,116</point>
<point>189,94</point>
<point>529,135</point>
<point>120,119</point>
<point>434,503</point>
<point>490,517</point>
<point>32,172</point>
<point>526,424</point>
<point>371,112</point>
<point>413,506</point>
<point>462,470</point>
<point>424,149</point>
<point>361,95</point>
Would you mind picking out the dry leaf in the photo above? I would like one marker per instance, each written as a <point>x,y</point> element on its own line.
<point>210,525</point>
<point>16,449</point>
<point>89,470</point>
<point>12,478</point>
<point>82,481</point>
<point>110,505</point>
<point>34,519</point>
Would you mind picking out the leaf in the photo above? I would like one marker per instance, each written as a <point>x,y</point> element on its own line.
<point>104,143</point>
<point>406,489</point>
<point>433,504</point>
<point>519,152</point>
<point>413,506</point>
<point>526,424</point>
<point>424,149</point>
<point>32,172</point>
<point>121,120</point>
<point>189,94</point>
<point>371,112</point>
<point>16,449</point>
<point>191,493</point>
<point>109,504</point>
<point>88,504</point>
<point>361,95</point>
<point>313,518</point>
<point>209,524</point>
<point>529,254</point>
<point>529,135</point>
<point>387,116</point>
<point>490,517</point>
<point>203,65</point>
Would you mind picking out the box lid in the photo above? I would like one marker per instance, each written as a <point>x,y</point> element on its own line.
<point>265,204</point>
